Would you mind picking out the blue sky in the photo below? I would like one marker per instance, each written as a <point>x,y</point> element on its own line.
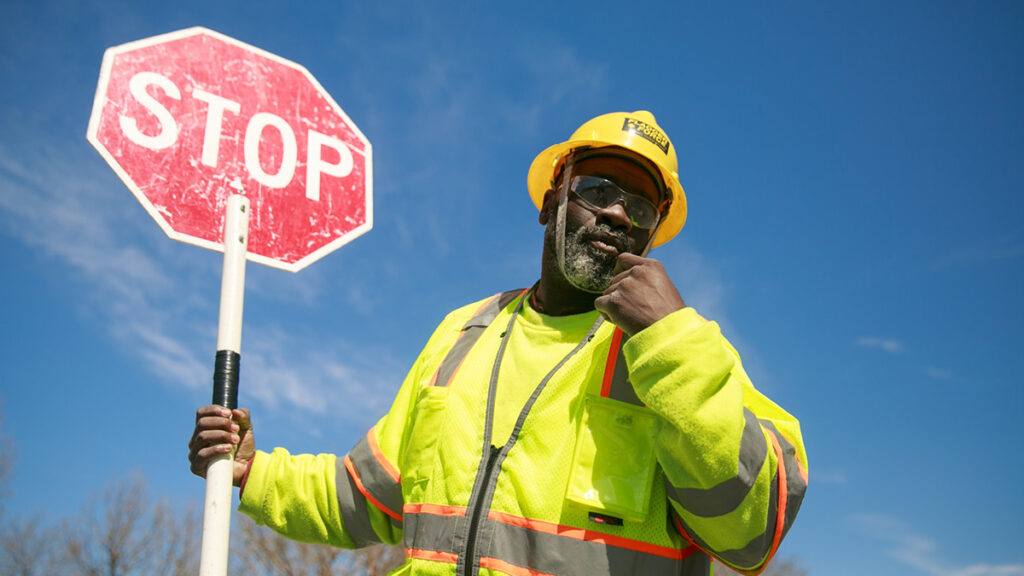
<point>856,225</point>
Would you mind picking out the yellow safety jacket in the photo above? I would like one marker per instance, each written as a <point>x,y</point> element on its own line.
<point>525,444</point>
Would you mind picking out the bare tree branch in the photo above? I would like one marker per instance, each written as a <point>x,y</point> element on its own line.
<point>261,552</point>
<point>124,533</point>
<point>28,547</point>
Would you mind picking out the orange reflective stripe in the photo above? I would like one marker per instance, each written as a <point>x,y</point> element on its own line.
<point>449,557</point>
<point>366,493</point>
<point>586,535</point>
<point>482,306</point>
<point>693,547</point>
<point>435,509</point>
<point>609,367</point>
<point>795,473</point>
<point>780,514</point>
<point>525,547</point>
<point>505,567</point>
<point>371,438</point>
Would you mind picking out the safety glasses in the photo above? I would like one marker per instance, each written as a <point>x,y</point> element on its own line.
<point>598,193</point>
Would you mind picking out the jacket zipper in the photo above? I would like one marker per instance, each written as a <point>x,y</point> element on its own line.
<point>474,519</point>
<point>484,490</point>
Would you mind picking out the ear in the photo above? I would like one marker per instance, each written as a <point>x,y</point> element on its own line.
<point>550,203</point>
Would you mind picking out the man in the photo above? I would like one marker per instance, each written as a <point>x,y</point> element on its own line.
<point>592,424</point>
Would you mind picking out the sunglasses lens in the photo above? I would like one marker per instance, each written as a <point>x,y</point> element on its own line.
<point>600,193</point>
<point>644,214</point>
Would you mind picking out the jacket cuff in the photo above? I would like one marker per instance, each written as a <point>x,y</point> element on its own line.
<point>250,495</point>
<point>245,477</point>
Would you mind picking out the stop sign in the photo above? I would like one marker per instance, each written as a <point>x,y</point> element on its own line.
<point>189,118</point>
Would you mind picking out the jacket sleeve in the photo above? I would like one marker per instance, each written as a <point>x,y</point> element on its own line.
<point>734,462</point>
<point>350,501</point>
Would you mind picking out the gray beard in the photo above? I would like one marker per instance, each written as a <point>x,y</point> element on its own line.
<point>586,267</point>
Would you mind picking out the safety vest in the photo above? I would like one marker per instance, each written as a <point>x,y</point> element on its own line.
<point>575,489</point>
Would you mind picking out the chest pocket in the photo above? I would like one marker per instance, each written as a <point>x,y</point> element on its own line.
<point>613,464</point>
<point>428,418</point>
<point>422,443</point>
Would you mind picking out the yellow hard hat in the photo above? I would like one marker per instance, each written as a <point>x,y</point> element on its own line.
<point>637,132</point>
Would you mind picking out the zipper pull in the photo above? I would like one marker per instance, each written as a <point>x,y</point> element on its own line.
<point>493,456</point>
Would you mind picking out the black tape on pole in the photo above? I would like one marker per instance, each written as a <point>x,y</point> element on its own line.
<point>225,379</point>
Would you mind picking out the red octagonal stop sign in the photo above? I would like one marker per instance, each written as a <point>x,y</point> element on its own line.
<point>188,118</point>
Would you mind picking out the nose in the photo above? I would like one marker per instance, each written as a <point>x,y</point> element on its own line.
<point>615,216</point>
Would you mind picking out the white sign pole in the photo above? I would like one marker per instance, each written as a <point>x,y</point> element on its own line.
<point>217,509</point>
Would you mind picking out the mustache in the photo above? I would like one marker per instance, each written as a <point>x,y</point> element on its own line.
<point>608,235</point>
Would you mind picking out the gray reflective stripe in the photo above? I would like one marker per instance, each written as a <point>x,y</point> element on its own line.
<point>697,564</point>
<point>795,485</point>
<point>432,532</point>
<point>354,517</point>
<point>375,478</point>
<point>621,388</point>
<point>471,332</point>
<point>546,552</point>
<point>726,496</point>
<point>751,555</point>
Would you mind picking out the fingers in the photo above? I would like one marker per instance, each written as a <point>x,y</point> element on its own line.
<point>626,265</point>
<point>639,294</point>
<point>215,435</point>
<point>627,260</point>
<point>241,417</point>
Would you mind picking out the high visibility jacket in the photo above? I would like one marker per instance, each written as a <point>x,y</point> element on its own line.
<point>526,444</point>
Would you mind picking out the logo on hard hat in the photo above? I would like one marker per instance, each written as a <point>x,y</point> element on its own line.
<point>648,132</point>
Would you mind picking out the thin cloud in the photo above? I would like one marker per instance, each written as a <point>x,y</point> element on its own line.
<point>149,293</point>
<point>937,373</point>
<point>283,371</point>
<point>1009,246</point>
<point>885,344</point>
<point>71,219</point>
<point>924,554</point>
<point>564,73</point>
<point>829,477</point>
<point>172,359</point>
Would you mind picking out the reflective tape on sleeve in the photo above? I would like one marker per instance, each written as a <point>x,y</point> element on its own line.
<point>375,477</point>
<point>727,495</point>
<point>796,476</point>
<point>354,516</point>
<point>757,551</point>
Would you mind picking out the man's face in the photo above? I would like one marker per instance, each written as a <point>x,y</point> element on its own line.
<point>594,237</point>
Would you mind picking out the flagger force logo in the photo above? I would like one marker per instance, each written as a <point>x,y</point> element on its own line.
<point>648,132</point>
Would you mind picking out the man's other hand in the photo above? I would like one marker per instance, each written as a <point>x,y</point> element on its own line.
<point>217,431</point>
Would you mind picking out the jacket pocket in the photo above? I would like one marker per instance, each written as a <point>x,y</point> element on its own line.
<point>613,464</point>
<point>421,446</point>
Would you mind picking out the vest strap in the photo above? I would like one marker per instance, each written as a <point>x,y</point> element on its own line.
<point>471,332</point>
